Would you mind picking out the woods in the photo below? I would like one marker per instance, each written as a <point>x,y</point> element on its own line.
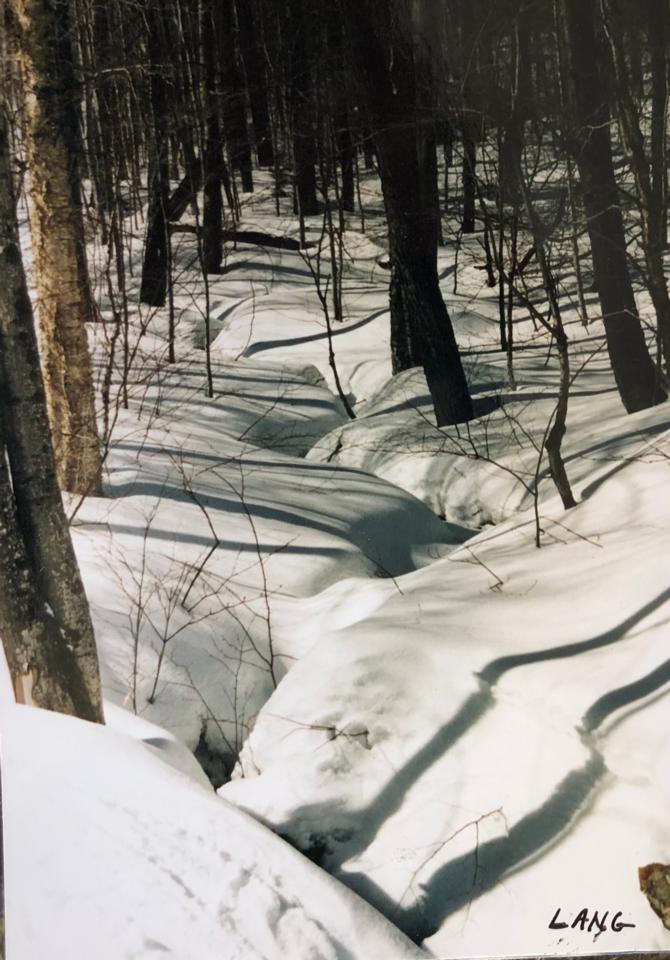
<point>44,619</point>
<point>142,96</point>
<point>334,369</point>
<point>177,104</point>
<point>316,91</point>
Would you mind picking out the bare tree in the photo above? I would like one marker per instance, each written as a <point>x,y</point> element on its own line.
<point>45,622</point>
<point>397,85</point>
<point>155,268</point>
<point>583,82</point>
<point>65,304</point>
<point>648,188</point>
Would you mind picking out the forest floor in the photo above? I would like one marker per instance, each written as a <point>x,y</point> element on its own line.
<point>351,625</point>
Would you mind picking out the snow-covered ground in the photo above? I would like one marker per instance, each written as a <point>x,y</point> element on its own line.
<point>353,618</point>
<point>117,847</point>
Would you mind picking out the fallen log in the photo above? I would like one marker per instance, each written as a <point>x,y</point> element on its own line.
<point>255,237</point>
<point>264,239</point>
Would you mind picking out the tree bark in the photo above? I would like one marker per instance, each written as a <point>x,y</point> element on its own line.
<point>347,157</point>
<point>303,127</point>
<point>234,106</point>
<point>257,86</point>
<point>583,84</point>
<point>469,177</point>
<point>156,263</point>
<point>657,29</point>
<point>213,161</point>
<point>556,433</point>
<point>518,109</point>
<point>421,330</point>
<point>64,300</point>
<point>649,203</point>
<point>44,617</point>
<point>466,16</point>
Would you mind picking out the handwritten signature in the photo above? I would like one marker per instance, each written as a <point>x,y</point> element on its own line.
<point>591,921</point>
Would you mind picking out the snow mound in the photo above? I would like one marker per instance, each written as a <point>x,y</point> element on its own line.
<point>212,525</point>
<point>114,854</point>
<point>487,743</point>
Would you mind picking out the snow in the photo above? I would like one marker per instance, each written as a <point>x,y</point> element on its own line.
<point>467,731</point>
<point>183,471</point>
<point>440,751</point>
<point>116,848</point>
<point>478,714</point>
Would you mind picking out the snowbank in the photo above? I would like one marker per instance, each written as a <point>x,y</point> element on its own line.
<point>212,522</point>
<point>489,744</point>
<point>114,853</point>
<point>471,746</point>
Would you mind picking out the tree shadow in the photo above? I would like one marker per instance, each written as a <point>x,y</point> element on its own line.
<point>470,875</point>
<point>453,885</point>
<point>649,431</point>
<point>291,465</point>
<point>496,668</point>
<point>310,338</point>
<point>237,546</point>
<point>467,877</point>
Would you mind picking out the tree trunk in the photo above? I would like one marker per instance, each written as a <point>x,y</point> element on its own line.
<point>555,434</point>
<point>466,21</point>
<point>347,157</point>
<point>257,87</point>
<point>212,214</point>
<point>64,298</point>
<point>234,106</point>
<point>303,125</point>
<point>338,106</point>
<point>582,80</point>
<point>155,267</point>
<point>469,177</point>
<point>657,26</point>
<point>512,141</point>
<point>650,205</point>
<point>448,152</point>
<point>213,161</point>
<point>44,618</point>
<point>421,330</point>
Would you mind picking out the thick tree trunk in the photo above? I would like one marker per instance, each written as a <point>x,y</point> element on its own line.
<point>257,87</point>
<point>234,106</point>
<point>156,263</point>
<point>303,126</point>
<point>44,618</point>
<point>213,162</point>
<point>22,625</point>
<point>634,371</point>
<point>347,156</point>
<point>650,205</point>
<point>468,24</point>
<point>212,213</point>
<point>657,28</point>
<point>421,330</point>
<point>64,298</point>
<point>337,104</point>
<point>512,140</point>
<point>448,153</point>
